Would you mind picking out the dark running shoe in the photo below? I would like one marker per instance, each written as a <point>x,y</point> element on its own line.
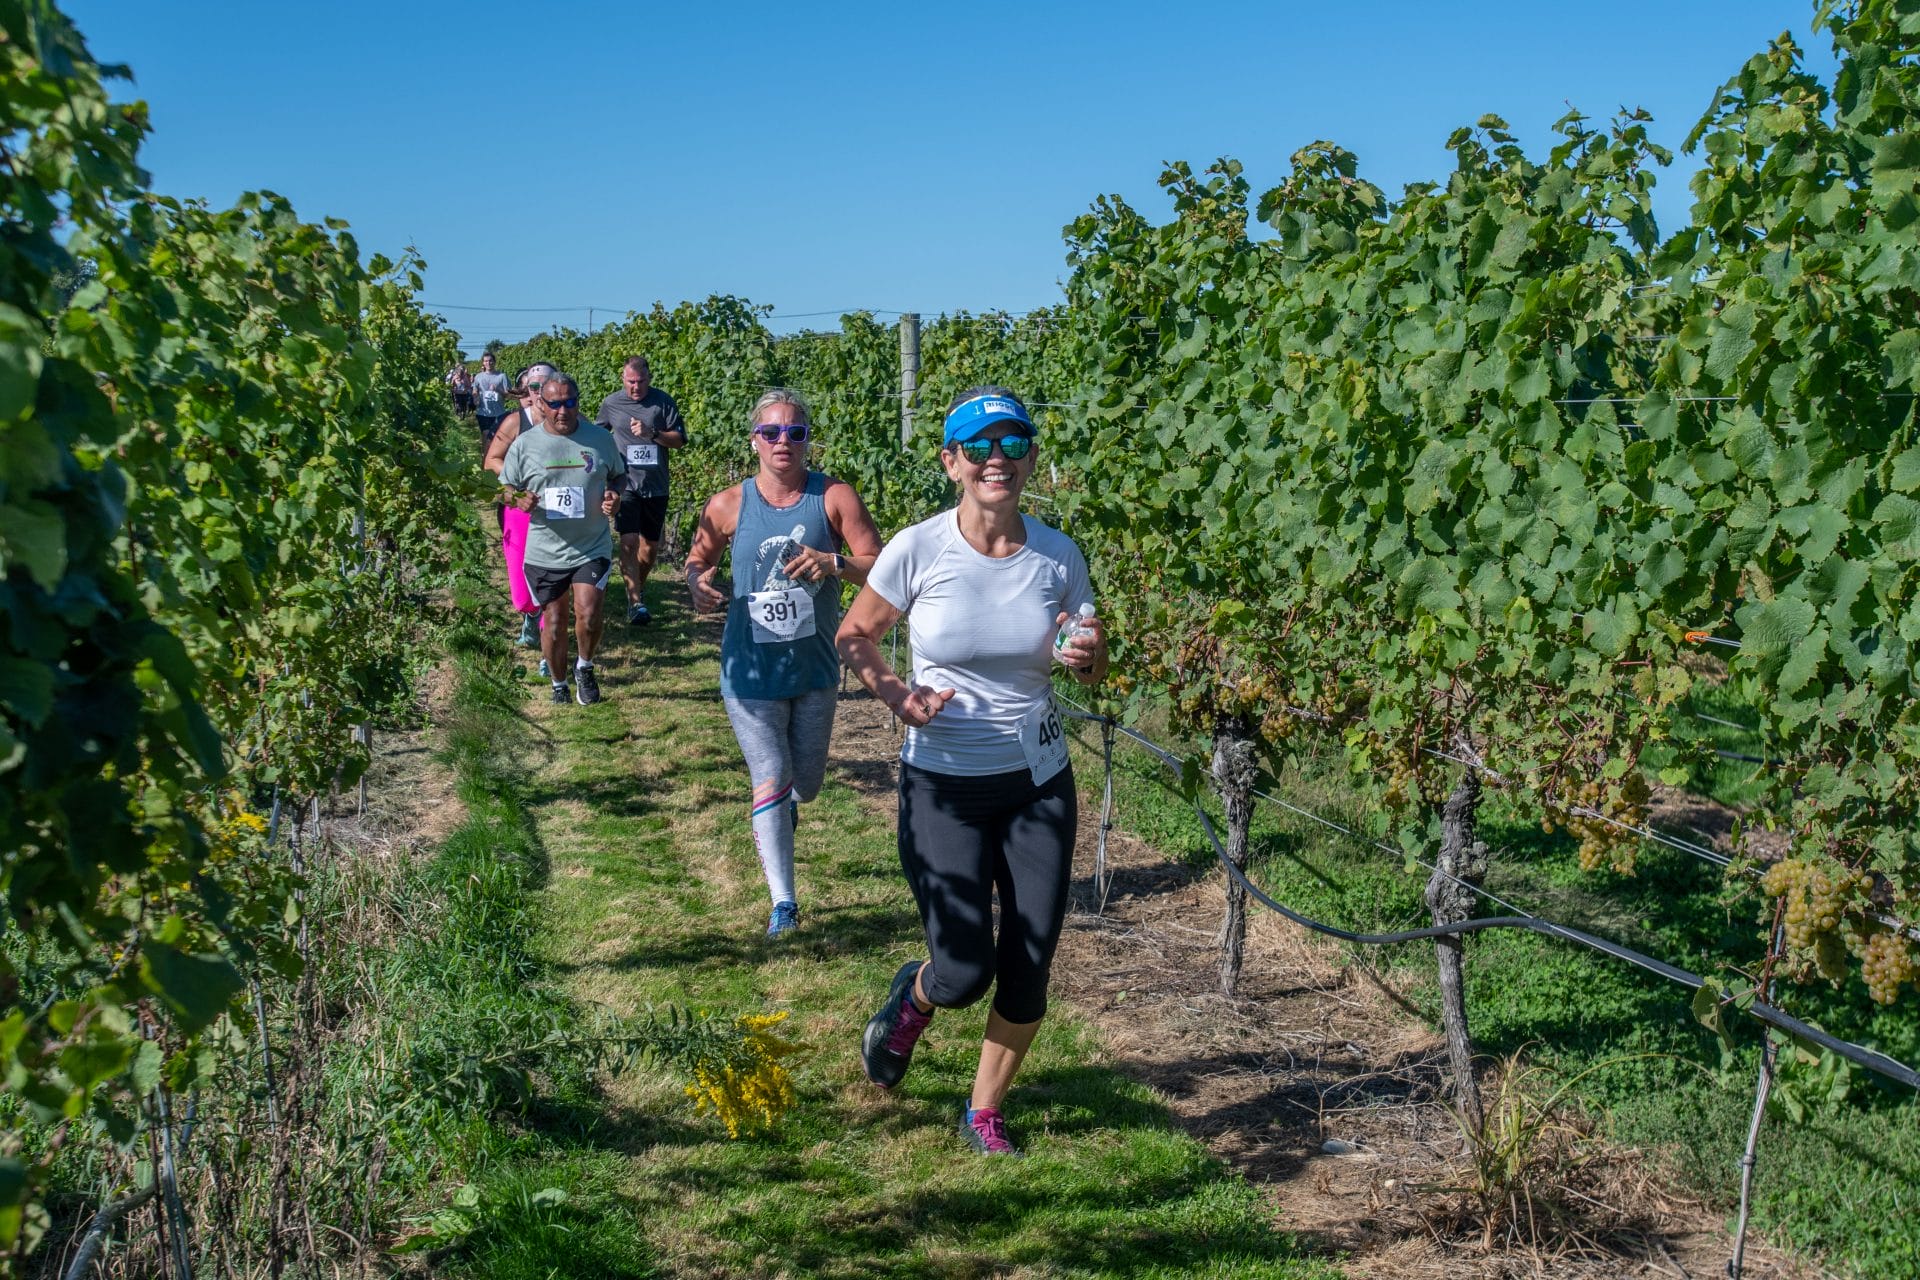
<point>638,616</point>
<point>560,695</point>
<point>785,919</point>
<point>985,1130</point>
<point>587,687</point>
<point>887,1046</point>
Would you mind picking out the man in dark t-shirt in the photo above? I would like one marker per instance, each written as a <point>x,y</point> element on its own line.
<point>645,423</point>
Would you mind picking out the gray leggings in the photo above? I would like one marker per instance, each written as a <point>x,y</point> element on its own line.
<point>785,743</point>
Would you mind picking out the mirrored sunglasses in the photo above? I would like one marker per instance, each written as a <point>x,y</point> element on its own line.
<point>1014,447</point>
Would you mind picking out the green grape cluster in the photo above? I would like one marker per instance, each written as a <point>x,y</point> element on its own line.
<point>1623,800</point>
<point>1412,778</point>
<point>1817,897</point>
<point>1888,961</point>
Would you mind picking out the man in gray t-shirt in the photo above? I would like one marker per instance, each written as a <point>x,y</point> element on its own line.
<point>563,474</point>
<point>490,388</point>
<point>646,424</point>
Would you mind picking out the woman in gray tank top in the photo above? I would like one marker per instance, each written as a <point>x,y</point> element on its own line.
<point>779,673</point>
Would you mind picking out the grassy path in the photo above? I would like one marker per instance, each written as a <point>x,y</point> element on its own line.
<point>655,896</point>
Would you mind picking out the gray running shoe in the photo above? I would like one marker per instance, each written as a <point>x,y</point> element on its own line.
<point>560,696</point>
<point>588,688</point>
<point>546,672</point>
<point>887,1046</point>
<point>529,632</point>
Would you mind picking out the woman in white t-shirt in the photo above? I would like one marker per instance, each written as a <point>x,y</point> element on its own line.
<point>987,801</point>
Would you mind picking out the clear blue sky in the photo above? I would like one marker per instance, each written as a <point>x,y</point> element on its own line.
<point>822,157</point>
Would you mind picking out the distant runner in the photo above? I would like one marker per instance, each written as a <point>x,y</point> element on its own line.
<point>460,383</point>
<point>779,674</point>
<point>490,390</point>
<point>645,423</point>
<point>562,473</point>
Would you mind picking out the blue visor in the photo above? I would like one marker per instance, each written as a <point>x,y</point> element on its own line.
<point>969,416</point>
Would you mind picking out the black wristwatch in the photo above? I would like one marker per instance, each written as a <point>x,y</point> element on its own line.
<point>839,564</point>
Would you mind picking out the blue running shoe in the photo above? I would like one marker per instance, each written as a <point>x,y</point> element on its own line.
<point>529,632</point>
<point>785,919</point>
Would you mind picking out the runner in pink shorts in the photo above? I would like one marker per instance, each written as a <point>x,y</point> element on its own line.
<point>514,522</point>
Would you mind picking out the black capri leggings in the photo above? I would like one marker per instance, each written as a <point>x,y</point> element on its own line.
<point>961,838</point>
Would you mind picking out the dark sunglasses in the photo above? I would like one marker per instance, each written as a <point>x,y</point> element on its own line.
<point>796,432</point>
<point>1014,447</point>
<point>558,405</point>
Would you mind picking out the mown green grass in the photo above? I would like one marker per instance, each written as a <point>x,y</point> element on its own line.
<point>654,896</point>
<point>1845,1183</point>
<point>489,1093</point>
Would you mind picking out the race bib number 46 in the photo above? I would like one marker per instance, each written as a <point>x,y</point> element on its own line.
<point>564,502</point>
<point>643,455</point>
<point>1043,741</point>
<point>779,616</point>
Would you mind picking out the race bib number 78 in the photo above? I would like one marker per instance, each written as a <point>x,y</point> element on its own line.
<point>564,501</point>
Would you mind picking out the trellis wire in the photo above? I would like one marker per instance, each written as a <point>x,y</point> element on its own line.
<point>1763,1011</point>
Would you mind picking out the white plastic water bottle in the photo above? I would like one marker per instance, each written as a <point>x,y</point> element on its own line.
<point>1076,627</point>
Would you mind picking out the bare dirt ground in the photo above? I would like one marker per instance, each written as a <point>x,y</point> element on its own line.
<point>1316,1050</point>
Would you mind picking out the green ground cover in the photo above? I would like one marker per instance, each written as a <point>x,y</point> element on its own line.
<point>1844,1181</point>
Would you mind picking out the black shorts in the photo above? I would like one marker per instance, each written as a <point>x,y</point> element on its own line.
<point>488,425</point>
<point>644,516</point>
<point>547,585</point>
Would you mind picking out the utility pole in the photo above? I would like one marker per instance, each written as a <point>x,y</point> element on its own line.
<point>909,373</point>
<point>589,321</point>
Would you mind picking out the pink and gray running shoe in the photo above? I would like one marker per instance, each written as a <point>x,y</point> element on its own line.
<point>985,1130</point>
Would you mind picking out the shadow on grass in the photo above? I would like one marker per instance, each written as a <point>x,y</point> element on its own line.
<point>825,931</point>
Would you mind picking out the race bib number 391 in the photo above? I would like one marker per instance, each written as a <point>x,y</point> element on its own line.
<point>779,616</point>
<point>1044,742</point>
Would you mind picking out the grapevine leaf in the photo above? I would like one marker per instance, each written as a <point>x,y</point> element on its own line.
<point>34,535</point>
<point>1769,631</point>
<point>1897,519</point>
<point>197,988</point>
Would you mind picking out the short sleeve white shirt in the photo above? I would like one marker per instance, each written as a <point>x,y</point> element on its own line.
<point>983,627</point>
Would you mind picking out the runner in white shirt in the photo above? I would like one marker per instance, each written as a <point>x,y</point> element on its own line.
<point>987,801</point>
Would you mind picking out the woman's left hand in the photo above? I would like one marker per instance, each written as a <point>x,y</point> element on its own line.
<point>810,564</point>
